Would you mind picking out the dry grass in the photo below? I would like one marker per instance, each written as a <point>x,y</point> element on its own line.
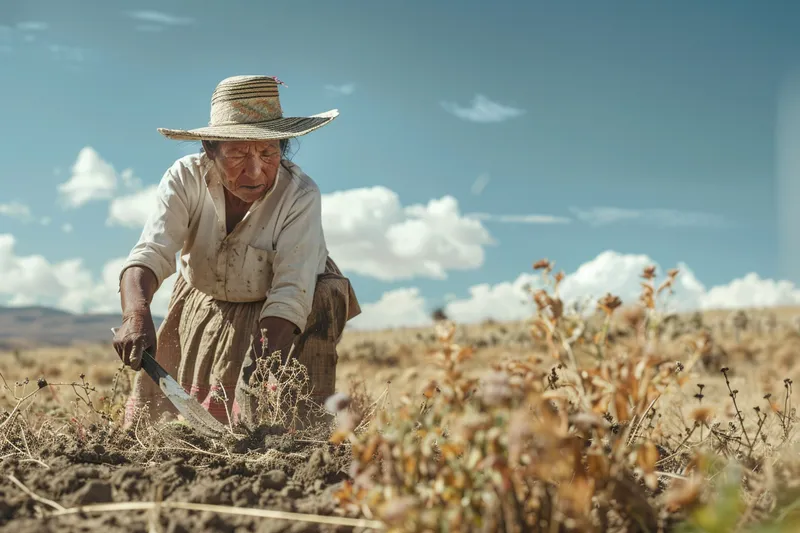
<point>620,420</point>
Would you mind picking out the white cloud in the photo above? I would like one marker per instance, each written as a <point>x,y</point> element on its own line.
<point>483,110</point>
<point>67,228</point>
<point>66,285</point>
<point>610,271</point>
<point>33,26</point>
<point>751,291</point>
<point>45,221</point>
<point>107,297</point>
<point>132,210</point>
<point>92,179</point>
<point>520,219</point>
<point>397,308</point>
<point>619,274</point>
<point>369,232</point>
<point>480,184</point>
<point>16,210</point>
<point>129,179</point>
<point>158,17</point>
<point>345,90</point>
<point>671,218</point>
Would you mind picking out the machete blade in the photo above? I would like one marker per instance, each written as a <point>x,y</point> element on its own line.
<point>194,413</point>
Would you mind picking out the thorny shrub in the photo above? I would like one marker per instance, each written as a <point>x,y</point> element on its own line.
<point>283,397</point>
<point>565,441</point>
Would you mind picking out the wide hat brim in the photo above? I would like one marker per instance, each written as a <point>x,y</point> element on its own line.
<point>281,128</point>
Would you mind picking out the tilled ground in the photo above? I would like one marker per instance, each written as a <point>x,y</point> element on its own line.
<point>265,471</point>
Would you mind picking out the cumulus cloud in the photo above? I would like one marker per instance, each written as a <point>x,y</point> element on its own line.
<point>671,218</point>
<point>610,271</point>
<point>751,291</point>
<point>619,274</point>
<point>344,90</point>
<point>129,179</point>
<point>483,110</point>
<point>68,285</point>
<point>369,232</point>
<point>132,210</point>
<point>398,308</point>
<point>92,179</point>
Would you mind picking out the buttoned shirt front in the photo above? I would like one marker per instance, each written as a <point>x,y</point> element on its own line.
<point>274,254</point>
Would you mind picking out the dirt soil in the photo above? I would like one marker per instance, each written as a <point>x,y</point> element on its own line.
<point>273,472</point>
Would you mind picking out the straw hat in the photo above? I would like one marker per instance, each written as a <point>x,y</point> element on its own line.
<point>248,108</point>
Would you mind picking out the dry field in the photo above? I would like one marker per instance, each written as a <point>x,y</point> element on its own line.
<point>622,420</point>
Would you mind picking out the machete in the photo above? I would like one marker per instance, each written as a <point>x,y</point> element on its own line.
<point>194,413</point>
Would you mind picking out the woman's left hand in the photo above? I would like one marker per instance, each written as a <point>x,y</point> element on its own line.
<point>279,334</point>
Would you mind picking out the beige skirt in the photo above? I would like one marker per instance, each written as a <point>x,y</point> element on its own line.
<point>204,344</point>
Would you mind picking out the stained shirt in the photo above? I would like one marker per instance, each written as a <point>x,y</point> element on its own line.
<point>275,252</point>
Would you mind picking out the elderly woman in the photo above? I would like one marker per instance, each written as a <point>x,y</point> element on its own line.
<point>254,264</point>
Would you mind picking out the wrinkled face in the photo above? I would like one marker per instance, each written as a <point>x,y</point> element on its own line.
<point>248,168</point>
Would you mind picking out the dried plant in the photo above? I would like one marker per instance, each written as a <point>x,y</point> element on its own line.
<point>569,445</point>
<point>283,396</point>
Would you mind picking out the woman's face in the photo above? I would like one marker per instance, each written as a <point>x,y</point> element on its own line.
<point>248,168</point>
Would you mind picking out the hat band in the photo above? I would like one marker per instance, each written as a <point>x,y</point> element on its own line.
<point>245,111</point>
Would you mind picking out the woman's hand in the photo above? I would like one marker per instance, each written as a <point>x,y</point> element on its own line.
<point>279,334</point>
<point>138,333</point>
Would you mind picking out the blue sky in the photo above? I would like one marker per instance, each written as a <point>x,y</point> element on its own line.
<point>621,106</point>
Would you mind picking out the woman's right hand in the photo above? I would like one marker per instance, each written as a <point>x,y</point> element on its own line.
<point>137,333</point>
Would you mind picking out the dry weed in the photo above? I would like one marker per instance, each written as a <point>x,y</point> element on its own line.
<point>571,440</point>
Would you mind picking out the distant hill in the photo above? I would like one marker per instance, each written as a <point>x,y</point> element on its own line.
<point>27,326</point>
<point>22,327</point>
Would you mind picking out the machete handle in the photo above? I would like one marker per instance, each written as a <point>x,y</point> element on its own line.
<point>149,363</point>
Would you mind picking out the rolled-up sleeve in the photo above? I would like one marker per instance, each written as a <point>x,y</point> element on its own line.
<point>295,267</point>
<point>165,230</point>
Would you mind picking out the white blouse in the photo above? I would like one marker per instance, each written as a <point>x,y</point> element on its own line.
<point>275,252</point>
